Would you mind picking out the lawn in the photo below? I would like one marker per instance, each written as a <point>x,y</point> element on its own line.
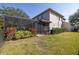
<point>66,43</point>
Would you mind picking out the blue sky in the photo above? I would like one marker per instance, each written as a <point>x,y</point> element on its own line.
<point>32,9</point>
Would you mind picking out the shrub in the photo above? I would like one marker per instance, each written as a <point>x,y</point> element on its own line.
<point>57,30</point>
<point>27,34</point>
<point>22,34</point>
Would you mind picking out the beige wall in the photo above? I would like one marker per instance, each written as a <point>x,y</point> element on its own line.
<point>56,21</point>
<point>67,26</point>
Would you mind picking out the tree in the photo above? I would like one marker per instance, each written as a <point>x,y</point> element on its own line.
<point>13,12</point>
<point>10,11</point>
<point>74,20</point>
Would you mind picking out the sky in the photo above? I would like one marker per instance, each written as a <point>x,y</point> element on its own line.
<point>33,9</point>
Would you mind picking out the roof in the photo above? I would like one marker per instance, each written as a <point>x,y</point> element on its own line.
<point>51,10</point>
<point>45,21</point>
<point>19,17</point>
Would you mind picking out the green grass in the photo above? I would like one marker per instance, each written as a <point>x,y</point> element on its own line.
<point>59,44</point>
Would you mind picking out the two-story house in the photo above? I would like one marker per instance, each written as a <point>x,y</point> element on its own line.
<point>42,23</point>
<point>47,20</point>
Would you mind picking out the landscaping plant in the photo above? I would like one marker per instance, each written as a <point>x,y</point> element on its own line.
<point>22,34</point>
<point>57,30</point>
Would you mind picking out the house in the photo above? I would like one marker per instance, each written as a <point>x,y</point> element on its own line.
<point>40,24</point>
<point>67,26</point>
<point>47,20</point>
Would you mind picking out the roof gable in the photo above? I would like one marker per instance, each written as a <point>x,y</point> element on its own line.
<point>50,10</point>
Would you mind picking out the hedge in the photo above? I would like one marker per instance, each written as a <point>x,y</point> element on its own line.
<point>57,30</point>
<point>22,34</point>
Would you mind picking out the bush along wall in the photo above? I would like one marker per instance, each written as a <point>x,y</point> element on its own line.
<point>22,34</point>
<point>57,30</point>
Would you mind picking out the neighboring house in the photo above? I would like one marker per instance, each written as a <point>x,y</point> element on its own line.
<point>67,26</point>
<point>47,20</point>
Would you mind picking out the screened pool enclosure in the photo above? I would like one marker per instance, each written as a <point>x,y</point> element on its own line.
<point>13,22</point>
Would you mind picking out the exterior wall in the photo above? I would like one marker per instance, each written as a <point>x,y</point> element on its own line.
<point>60,22</point>
<point>56,21</point>
<point>43,16</point>
<point>67,26</point>
<point>40,27</point>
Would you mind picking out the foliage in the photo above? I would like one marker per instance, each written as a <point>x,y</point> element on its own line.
<point>22,34</point>
<point>74,20</point>
<point>57,30</point>
<point>11,11</point>
<point>66,43</point>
